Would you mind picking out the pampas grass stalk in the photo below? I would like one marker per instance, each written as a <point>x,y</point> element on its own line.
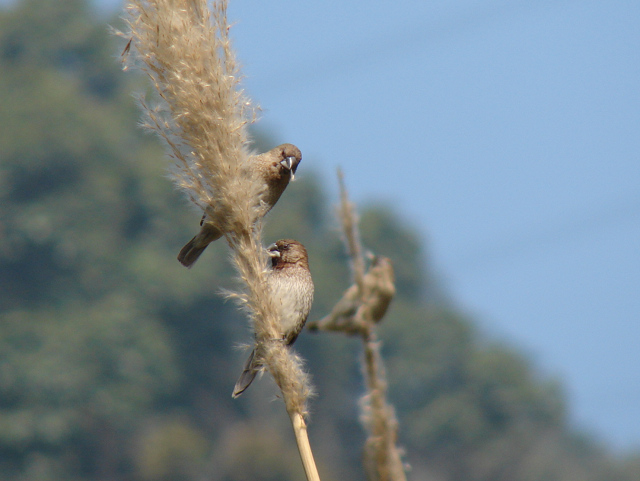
<point>382,457</point>
<point>202,115</point>
<point>349,220</point>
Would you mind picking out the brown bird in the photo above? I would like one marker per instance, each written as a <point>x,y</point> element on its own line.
<point>379,289</point>
<point>353,309</point>
<point>277,167</point>
<point>291,288</point>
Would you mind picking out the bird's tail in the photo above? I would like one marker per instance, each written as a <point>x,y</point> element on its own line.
<point>249,371</point>
<point>191,251</point>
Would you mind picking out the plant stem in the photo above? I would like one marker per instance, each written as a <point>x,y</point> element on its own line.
<point>381,451</point>
<point>300,430</point>
<point>349,220</point>
<point>382,456</point>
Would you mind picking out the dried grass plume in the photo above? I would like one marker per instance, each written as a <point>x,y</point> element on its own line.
<point>361,307</point>
<point>202,115</point>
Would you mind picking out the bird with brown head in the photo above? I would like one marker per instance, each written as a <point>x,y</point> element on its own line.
<point>275,169</point>
<point>291,287</point>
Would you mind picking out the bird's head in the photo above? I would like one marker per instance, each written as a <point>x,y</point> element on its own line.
<point>290,157</point>
<point>287,252</point>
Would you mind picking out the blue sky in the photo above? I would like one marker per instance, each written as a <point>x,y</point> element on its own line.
<point>507,133</point>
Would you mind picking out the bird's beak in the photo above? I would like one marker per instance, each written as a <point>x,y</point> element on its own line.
<point>273,251</point>
<point>288,163</point>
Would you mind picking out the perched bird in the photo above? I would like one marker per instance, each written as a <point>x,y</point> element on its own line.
<point>370,306</point>
<point>291,288</point>
<point>379,289</point>
<point>277,167</point>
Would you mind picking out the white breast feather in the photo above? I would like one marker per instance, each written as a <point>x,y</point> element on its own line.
<point>291,305</point>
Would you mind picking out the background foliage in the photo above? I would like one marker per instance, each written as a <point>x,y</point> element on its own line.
<point>117,363</point>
